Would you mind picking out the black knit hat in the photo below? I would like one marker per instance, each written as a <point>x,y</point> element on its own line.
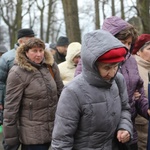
<point>62,41</point>
<point>25,33</point>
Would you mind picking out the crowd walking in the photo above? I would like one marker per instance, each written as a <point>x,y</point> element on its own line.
<point>70,95</point>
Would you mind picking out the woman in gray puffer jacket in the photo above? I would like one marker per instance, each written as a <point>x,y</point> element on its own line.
<point>31,97</point>
<point>93,108</point>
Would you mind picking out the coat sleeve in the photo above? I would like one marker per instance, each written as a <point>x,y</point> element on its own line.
<point>66,122</point>
<point>4,68</point>
<point>142,103</point>
<point>58,79</point>
<point>14,92</point>
<point>125,120</point>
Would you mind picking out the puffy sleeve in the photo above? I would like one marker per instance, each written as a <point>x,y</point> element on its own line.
<point>142,103</point>
<point>125,120</point>
<point>14,92</point>
<point>66,122</point>
<point>4,68</point>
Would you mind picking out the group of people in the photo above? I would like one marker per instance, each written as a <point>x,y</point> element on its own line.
<point>83,96</point>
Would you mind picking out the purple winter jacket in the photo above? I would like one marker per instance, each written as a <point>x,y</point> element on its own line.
<point>134,82</point>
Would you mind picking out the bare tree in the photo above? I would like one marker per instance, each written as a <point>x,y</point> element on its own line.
<point>51,10</point>
<point>143,9</point>
<point>12,20</point>
<point>113,12</point>
<point>12,14</point>
<point>31,13</point>
<point>104,2</point>
<point>97,15</point>
<point>122,9</point>
<point>3,35</point>
<point>71,20</point>
<point>41,6</point>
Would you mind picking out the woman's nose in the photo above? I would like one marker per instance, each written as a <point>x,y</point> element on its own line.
<point>112,72</point>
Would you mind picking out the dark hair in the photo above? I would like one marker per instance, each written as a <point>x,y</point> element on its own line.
<point>34,42</point>
<point>126,33</point>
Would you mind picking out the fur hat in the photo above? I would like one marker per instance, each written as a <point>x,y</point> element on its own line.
<point>25,33</point>
<point>114,25</point>
<point>62,41</point>
<point>140,42</point>
<point>113,56</point>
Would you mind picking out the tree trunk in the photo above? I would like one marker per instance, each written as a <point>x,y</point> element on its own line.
<point>97,16</point>
<point>122,9</point>
<point>49,20</point>
<point>113,8</point>
<point>71,20</point>
<point>41,8</point>
<point>143,9</point>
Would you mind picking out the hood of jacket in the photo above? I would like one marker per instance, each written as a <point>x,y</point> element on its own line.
<point>25,63</point>
<point>73,50</point>
<point>94,45</point>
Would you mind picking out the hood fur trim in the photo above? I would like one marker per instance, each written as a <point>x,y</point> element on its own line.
<point>22,60</point>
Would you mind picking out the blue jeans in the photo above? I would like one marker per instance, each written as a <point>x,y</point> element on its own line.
<point>36,147</point>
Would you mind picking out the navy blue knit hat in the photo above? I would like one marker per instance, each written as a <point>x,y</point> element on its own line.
<point>25,33</point>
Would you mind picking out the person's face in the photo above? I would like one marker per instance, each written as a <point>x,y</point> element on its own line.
<point>76,59</point>
<point>127,42</point>
<point>53,51</point>
<point>62,49</point>
<point>145,53</point>
<point>35,54</point>
<point>106,70</point>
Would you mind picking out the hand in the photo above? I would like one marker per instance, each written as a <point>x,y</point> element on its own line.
<point>123,136</point>
<point>136,95</point>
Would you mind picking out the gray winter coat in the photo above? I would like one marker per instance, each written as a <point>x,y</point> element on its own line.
<point>6,62</point>
<point>91,110</point>
<point>31,100</point>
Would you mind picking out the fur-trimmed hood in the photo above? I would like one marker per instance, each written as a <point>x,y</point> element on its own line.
<point>24,62</point>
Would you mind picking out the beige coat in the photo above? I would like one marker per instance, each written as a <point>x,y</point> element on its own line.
<point>31,100</point>
<point>67,68</point>
<point>144,68</point>
<point>140,122</point>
